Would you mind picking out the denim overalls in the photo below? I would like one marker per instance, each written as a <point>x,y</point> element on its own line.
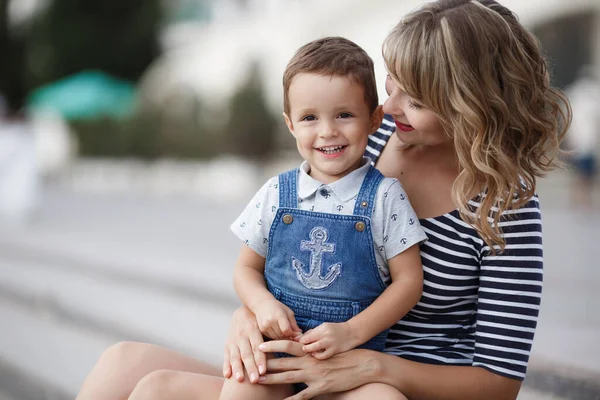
<point>323,265</point>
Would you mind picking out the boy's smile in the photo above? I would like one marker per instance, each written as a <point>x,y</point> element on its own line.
<point>331,122</point>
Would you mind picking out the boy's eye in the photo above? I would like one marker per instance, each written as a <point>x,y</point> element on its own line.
<point>345,115</point>
<point>308,118</point>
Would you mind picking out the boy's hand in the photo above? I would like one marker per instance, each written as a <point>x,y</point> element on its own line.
<point>329,339</point>
<point>276,320</point>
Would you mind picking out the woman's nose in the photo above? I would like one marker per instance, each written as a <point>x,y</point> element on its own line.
<point>393,105</point>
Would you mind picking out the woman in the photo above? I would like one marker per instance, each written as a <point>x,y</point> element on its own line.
<point>476,123</point>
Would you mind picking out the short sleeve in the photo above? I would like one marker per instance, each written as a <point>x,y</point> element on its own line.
<point>509,295</point>
<point>401,227</point>
<point>254,223</point>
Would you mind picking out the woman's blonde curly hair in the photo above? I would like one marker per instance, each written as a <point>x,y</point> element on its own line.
<point>474,65</point>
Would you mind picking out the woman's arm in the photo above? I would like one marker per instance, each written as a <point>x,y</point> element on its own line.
<point>417,381</point>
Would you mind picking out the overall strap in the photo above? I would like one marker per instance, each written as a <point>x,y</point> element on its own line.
<point>288,191</point>
<point>365,201</point>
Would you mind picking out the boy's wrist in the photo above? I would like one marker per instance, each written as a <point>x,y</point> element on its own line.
<point>259,299</point>
<point>357,335</point>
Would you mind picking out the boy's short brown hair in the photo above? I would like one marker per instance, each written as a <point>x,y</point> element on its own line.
<point>333,56</point>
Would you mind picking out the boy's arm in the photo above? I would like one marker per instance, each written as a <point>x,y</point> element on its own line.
<point>399,298</point>
<point>402,294</point>
<point>274,319</point>
<point>248,278</point>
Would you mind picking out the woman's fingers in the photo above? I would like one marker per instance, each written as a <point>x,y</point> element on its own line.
<point>260,358</point>
<point>308,393</point>
<point>226,363</point>
<point>282,346</point>
<point>247,356</point>
<point>235,359</point>
<point>281,378</point>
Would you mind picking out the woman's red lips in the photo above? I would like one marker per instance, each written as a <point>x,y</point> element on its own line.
<point>404,127</point>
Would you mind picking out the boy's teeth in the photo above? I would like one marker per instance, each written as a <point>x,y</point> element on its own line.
<point>331,150</point>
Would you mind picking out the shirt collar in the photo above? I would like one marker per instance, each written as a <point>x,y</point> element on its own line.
<point>345,188</point>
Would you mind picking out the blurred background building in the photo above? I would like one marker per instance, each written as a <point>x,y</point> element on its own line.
<point>133,131</point>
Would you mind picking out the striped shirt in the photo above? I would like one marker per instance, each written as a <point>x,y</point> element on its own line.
<point>477,308</point>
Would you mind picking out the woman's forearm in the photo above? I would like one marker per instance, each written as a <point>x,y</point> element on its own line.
<point>419,381</point>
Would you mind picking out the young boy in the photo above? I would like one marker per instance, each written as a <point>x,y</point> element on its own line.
<point>330,255</point>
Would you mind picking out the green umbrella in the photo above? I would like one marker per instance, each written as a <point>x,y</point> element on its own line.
<point>86,95</point>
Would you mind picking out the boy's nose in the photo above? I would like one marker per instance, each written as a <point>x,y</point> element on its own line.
<point>328,130</point>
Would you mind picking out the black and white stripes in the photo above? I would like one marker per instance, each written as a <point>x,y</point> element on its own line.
<point>477,308</point>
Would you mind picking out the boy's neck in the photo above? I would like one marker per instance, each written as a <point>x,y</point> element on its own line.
<point>329,179</point>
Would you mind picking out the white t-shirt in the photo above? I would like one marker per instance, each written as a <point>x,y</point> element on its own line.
<point>394,224</point>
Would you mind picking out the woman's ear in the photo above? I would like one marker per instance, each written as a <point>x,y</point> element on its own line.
<point>289,123</point>
<point>376,119</point>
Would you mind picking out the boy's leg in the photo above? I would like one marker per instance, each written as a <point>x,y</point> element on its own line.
<point>369,391</point>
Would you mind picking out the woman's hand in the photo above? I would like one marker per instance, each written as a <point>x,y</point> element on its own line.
<point>342,372</point>
<point>241,349</point>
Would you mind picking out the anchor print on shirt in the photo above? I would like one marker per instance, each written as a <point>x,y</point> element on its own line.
<point>317,246</point>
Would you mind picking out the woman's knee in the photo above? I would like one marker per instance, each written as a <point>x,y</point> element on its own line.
<point>121,354</point>
<point>158,384</point>
<point>372,391</point>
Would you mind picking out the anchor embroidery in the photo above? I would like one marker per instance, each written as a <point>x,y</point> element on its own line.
<point>317,246</point>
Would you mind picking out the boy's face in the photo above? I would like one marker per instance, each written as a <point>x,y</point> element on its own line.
<point>331,123</point>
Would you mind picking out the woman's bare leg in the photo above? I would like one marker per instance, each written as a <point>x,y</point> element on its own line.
<point>167,385</point>
<point>367,392</point>
<point>234,390</point>
<point>123,365</point>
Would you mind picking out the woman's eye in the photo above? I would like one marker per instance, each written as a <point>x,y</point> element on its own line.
<point>414,105</point>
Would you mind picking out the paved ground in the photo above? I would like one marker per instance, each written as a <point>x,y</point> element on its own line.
<point>91,270</point>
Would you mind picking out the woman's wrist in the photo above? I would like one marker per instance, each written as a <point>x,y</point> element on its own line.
<point>385,368</point>
<point>369,366</point>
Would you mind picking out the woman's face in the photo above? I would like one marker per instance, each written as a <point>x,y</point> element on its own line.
<point>415,124</point>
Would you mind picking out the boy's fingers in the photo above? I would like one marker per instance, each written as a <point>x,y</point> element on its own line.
<point>313,347</point>
<point>277,332</point>
<point>271,333</point>
<point>309,337</point>
<point>322,355</point>
<point>286,328</point>
<point>295,326</point>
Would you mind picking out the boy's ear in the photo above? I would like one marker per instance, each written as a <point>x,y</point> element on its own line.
<point>376,119</point>
<point>289,123</point>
